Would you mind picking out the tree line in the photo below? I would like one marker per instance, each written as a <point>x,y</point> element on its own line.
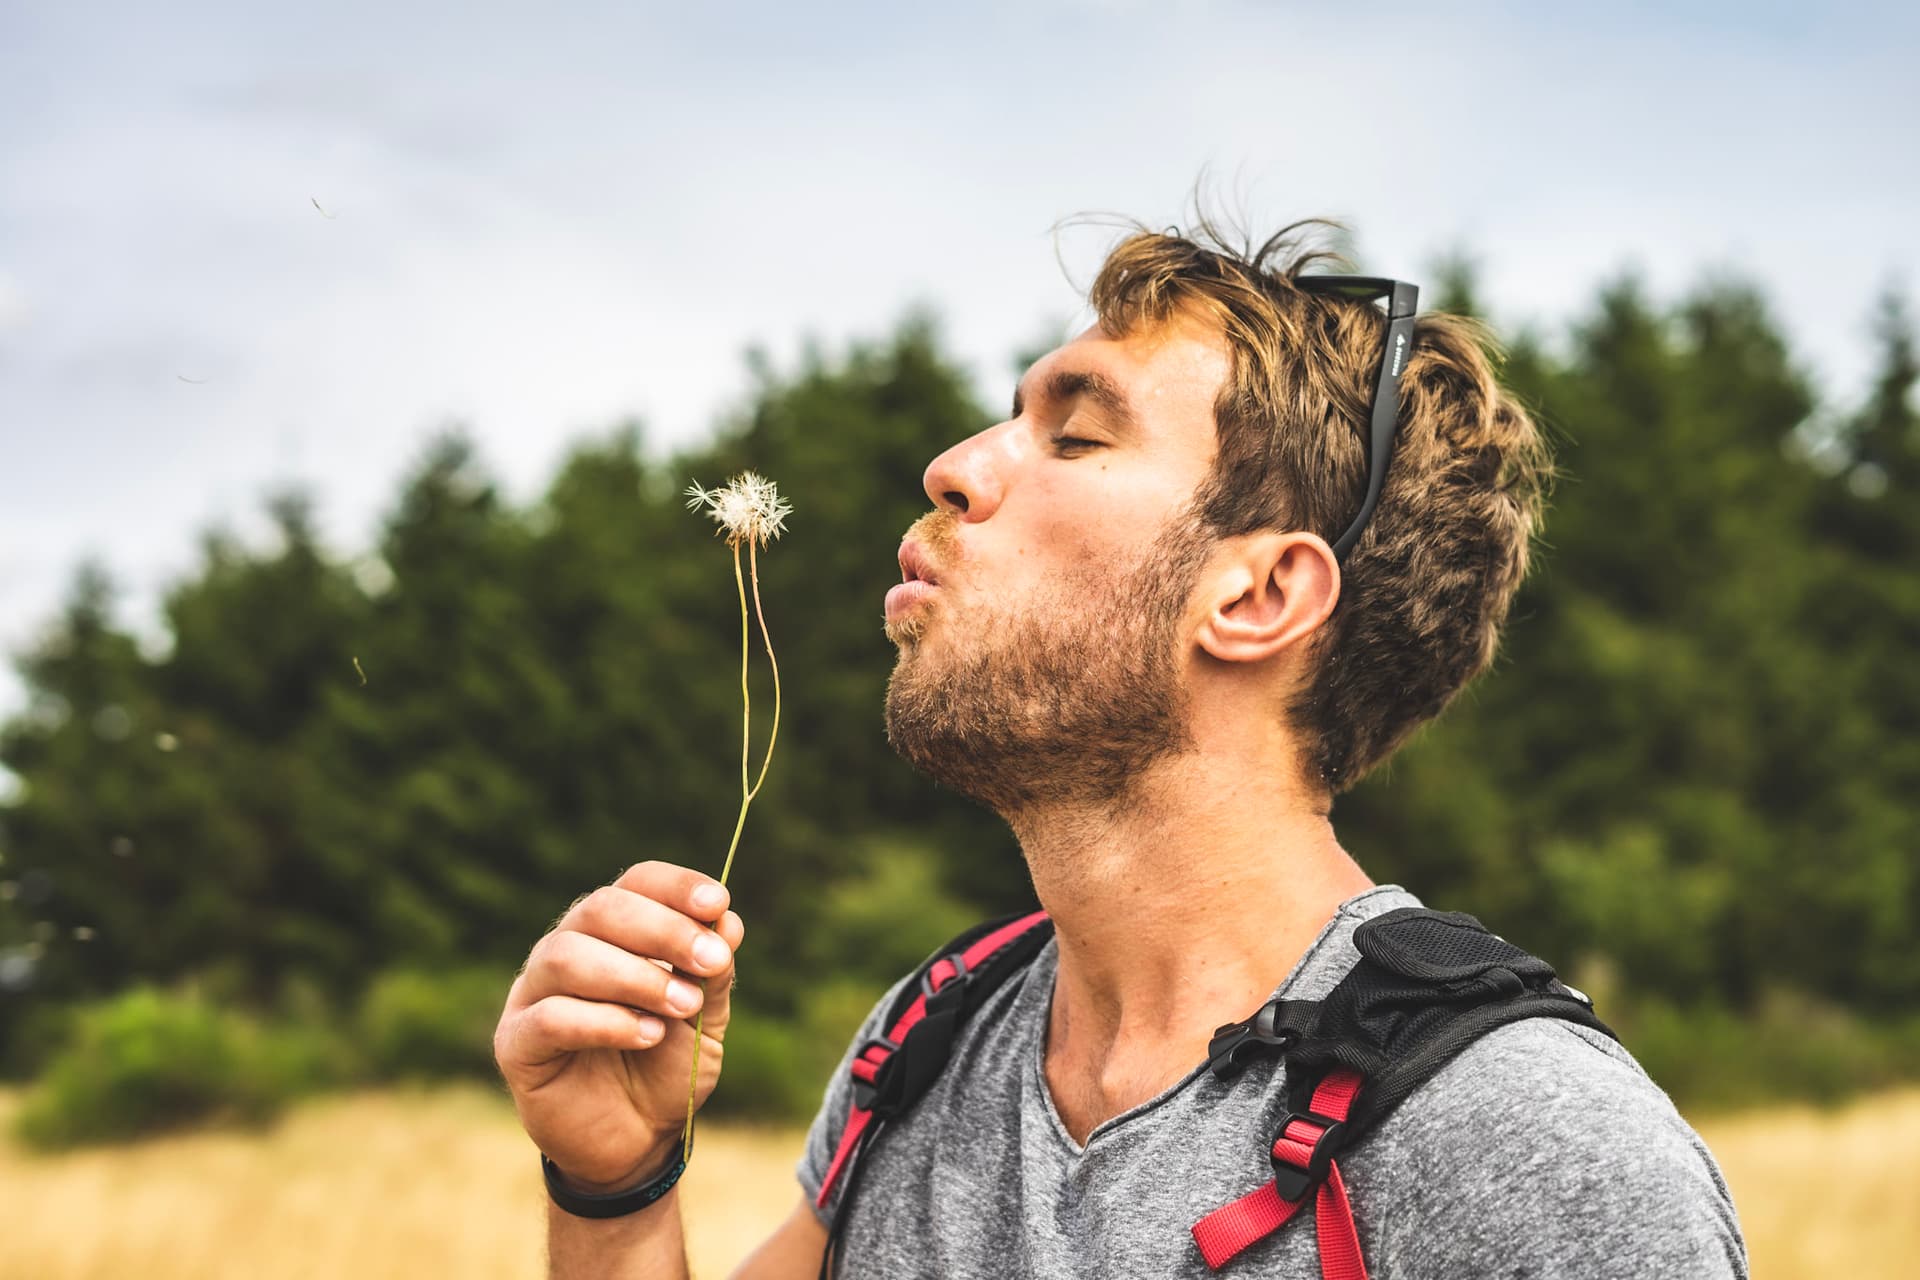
<point>1691,774</point>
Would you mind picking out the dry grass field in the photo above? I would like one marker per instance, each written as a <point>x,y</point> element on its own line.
<point>442,1183</point>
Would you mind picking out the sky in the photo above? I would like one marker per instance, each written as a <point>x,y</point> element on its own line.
<point>244,247</point>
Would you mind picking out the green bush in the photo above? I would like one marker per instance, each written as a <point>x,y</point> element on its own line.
<point>30,1036</point>
<point>416,1024</point>
<point>879,923</point>
<point>1791,1047</point>
<point>149,1060</point>
<point>765,1074</point>
<point>776,1069</point>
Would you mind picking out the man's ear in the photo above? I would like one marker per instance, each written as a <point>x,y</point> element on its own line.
<point>1266,593</point>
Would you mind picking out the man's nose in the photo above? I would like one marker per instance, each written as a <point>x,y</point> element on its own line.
<point>970,478</point>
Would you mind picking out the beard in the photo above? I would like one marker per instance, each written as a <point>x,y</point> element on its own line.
<point>1046,705</point>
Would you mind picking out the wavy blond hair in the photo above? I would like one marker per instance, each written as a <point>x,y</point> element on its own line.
<point>1426,589</point>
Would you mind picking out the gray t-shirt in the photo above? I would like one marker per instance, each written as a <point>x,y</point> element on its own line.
<point>1542,1150</point>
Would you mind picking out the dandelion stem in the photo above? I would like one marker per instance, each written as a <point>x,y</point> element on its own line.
<point>746,715</point>
<point>748,509</point>
<point>746,798</point>
<point>753,559</point>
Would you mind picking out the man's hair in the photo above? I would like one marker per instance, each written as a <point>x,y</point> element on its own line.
<point>1426,588</point>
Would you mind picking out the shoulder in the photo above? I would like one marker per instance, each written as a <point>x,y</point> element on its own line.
<point>1563,1153</point>
<point>1011,973</point>
<point>830,1120</point>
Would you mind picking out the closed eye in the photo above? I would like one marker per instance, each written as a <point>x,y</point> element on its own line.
<point>1073,443</point>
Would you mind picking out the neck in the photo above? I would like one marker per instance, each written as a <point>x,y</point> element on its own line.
<point>1176,911</point>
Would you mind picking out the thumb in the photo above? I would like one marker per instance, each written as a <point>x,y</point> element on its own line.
<point>719,985</point>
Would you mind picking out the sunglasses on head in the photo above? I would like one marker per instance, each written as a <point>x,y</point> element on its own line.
<point>1402,298</point>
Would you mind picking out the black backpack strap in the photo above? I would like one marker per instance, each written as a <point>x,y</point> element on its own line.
<point>893,1071</point>
<point>1427,985</point>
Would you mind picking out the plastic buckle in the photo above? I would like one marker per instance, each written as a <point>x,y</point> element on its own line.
<point>1292,1180</point>
<point>943,996</point>
<point>864,1091</point>
<point>1274,1028</point>
<point>1235,1044</point>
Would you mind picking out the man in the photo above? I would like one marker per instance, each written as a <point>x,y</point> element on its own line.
<point>1125,627</point>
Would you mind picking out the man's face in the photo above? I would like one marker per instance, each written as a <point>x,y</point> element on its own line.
<point>1046,663</point>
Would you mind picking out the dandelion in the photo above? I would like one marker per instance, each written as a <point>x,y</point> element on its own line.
<point>750,510</point>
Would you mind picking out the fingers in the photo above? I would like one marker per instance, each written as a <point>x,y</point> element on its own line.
<point>570,963</point>
<point>556,1025</point>
<point>655,928</point>
<point>618,942</point>
<point>622,963</point>
<point>682,888</point>
<point>732,930</point>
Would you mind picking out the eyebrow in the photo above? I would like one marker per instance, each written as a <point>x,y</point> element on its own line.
<point>1066,384</point>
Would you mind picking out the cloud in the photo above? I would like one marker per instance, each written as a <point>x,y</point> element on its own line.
<point>16,310</point>
<point>543,226</point>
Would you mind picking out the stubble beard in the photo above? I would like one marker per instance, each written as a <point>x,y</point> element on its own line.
<point>1019,709</point>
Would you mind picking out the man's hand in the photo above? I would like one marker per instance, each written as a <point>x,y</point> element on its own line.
<point>596,1040</point>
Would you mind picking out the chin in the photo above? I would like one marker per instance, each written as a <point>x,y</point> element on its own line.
<point>908,631</point>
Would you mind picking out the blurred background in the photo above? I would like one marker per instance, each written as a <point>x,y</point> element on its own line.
<point>353,359</point>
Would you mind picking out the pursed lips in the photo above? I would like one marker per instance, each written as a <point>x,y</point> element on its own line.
<point>914,565</point>
<point>917,581</point>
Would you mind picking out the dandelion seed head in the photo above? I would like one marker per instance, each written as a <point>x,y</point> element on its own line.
<point>748,508</point>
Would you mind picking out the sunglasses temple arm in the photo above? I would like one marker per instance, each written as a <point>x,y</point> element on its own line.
<point>1386,411</point>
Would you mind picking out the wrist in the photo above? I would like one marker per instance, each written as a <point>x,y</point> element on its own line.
<point>644,1170</point>
<point>651,1182</point>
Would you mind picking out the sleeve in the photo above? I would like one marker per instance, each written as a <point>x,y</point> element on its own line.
<point>823,1135</point>
<point>1546,1151</point>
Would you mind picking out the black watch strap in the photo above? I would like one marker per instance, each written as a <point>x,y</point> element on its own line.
<point>583,1205</point>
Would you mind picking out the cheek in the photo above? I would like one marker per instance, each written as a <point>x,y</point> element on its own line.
<point>1100,522</point>
<point>1090,558</point>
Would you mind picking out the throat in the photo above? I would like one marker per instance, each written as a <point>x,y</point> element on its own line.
<point>1090,1085</point>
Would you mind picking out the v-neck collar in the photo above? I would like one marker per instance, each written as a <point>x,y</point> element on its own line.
<point>1038,989</point>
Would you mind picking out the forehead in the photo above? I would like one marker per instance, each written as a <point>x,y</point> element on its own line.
<point>1160,382</point>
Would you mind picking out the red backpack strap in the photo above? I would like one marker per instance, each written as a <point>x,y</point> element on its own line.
<point>890,1072</point>
<point>1302,1158</point>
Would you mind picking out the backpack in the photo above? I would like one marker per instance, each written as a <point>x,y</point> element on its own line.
<point>1428,983</point>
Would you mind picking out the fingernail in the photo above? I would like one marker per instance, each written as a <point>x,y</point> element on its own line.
<point>709,952</point>
<point>681,995</point>
<point>652,1028</point>
<point>709,897</point>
